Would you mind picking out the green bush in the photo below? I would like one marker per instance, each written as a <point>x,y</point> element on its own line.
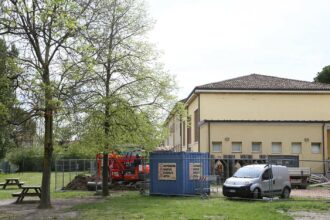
<point>75,151</point>
<point>30,159</point>
<point>27,159</point>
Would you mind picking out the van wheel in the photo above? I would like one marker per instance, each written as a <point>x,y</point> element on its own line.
<point>285,193</point>
<point>256,194</point>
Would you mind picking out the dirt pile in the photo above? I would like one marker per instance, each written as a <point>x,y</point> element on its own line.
<point>80,182</point>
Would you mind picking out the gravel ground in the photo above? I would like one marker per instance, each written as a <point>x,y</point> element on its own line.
<point>320,192</point>
<point>28,210</point>
<point>303,215</point>
<point>315,193</point>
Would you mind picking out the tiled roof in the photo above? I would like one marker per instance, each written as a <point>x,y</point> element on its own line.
<point>263,82</point>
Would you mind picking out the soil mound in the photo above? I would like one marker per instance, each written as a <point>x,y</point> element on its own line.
<point>80,182</point>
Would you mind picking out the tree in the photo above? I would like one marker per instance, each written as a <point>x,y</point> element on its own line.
<point>129,128</point>
<point>24,128</point>
<point>48,36</point>
<point>9,72</point>
<point>127,76</point>
<point>323,76</point>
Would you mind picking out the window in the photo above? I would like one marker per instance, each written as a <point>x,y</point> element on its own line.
<point>267,175</point>
<point>216,146</point>
<point>196,127</point>
<point>276,147</point>
<point>236,147</point>
<point>316,148</point>
<point>256,147</point>
<point>296,148</point>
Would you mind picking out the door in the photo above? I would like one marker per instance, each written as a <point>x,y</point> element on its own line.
<point>267,182</point>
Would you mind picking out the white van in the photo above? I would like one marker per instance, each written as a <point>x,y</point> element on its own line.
<point>257,181</point>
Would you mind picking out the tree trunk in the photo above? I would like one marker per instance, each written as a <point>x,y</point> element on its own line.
<point>105,170</point>
<point>105,175</point>
<point>47,162</point>
<point>48,145</point>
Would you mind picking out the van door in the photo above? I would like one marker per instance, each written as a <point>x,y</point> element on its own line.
<point>277,180</point>
<point>267,184</point>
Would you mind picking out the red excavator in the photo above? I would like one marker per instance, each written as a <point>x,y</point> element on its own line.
<point>126,169</point>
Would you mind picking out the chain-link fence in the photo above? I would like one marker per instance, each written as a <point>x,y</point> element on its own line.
<point>67,169</point>
<point>230,177</point>
<point>309,179</point>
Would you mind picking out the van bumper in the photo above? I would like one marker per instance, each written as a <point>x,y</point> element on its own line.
<point>241,191</point>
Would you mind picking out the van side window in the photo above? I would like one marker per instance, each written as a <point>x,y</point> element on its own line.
<point>268,174</point>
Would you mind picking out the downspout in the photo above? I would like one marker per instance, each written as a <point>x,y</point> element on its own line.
<point>209,136</point>
<point>324,166</point>
<point>199,128</point>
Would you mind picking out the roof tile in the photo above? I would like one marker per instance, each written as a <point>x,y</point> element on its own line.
<point>263,82</point>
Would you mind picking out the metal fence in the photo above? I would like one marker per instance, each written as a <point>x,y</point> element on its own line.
<point>313,175</point>
<point>309,179</point>
<point>67,169</point>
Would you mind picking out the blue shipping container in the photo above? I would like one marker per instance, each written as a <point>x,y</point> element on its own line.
<point>179,173</point>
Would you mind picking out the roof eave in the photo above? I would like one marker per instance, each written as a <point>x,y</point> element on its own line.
<point>242,90</point>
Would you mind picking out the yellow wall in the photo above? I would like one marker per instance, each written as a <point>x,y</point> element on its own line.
<point>266,133</point>
<point>234,106</point>
<point>204,146</point>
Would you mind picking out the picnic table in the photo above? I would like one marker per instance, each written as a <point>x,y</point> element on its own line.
<point>11,182</point>
<point>31,191</point>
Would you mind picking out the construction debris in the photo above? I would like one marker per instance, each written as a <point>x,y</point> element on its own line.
<point>327,184</point>
<point>80,182</point>
<point>316,179</point>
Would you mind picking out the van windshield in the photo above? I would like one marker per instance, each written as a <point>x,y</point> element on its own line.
<point>248,172</point>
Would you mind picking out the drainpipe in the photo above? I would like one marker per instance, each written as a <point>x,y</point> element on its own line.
<point>324,167</point>
<point>209,136</point>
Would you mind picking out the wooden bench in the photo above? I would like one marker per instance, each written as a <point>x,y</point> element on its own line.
<point>11,182</point>
<point>36,192</point>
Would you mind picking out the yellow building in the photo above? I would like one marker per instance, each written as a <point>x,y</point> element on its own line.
<point>256,117</point>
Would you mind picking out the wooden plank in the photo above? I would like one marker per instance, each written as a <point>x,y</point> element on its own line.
<point>319,184</point>
<point>31,194</point>
<point>31,187</point>
<point>296,171</point>
<point>17,194</point>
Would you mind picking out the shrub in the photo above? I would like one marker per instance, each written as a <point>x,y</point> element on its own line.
<point>27,159</point>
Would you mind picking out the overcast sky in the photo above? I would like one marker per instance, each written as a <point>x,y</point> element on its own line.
<point>212,40</point>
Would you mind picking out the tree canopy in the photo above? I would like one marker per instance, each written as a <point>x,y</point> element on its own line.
<point>88,61</point>
<point>9,72</point>
<point>323,76</point>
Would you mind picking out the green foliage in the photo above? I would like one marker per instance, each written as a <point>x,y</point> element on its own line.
<point>131,88</point>
<point>8,72</point>
<point>75,150</point>
<point>28,159</point>
<point>128,127</point>
<point>323,76</point>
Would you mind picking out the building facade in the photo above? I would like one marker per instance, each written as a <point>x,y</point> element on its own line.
<point>256,117</point>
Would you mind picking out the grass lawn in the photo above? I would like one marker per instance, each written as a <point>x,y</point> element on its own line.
<point>131,205</point>
<point>35,179</point>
